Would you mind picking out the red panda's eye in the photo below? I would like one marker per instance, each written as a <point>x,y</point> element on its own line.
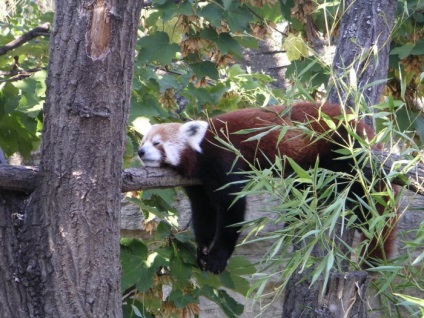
<point>156,143</point>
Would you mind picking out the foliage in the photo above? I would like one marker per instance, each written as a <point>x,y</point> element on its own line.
<point>160,274</point>
<point>406,70</point>
<point>413,301</point>
<point>186,68</point>
<point>21,100</point>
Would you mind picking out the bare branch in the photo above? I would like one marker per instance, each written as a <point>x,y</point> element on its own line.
<point>42,30</point>
<point>24,178</point>
<point>151,178</point>
<point>18,72</point>
<point>19,75</point>
<point>18,178</point>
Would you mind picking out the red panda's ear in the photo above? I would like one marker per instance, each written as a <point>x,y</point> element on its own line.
<point>193,132</point>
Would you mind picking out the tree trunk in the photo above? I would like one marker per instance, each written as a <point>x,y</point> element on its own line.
<point>60,248</point>
<point>361,60</point>
<point>343,297</point>
<point>360,64</point>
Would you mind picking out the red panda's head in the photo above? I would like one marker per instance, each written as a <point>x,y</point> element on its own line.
<point>164,143</point>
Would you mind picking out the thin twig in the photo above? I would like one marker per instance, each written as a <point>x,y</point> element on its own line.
<point>19,75</point>
<point>42,30</point>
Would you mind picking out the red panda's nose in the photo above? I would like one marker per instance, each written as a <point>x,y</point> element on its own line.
<point>141,152</point>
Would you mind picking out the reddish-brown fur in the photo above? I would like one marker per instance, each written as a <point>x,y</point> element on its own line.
<point>307,138</point>
<point>296,144</point>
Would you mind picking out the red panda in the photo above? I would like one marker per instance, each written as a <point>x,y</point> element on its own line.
<point>192,150</point>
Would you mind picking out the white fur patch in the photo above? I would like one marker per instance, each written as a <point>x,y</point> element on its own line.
<point>193,133</point>
<point>173,152</point>
<point>152,156</point>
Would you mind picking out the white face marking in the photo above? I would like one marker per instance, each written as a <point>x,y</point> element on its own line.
<point>151,156</point>
<point>173,152</point>
<point>165,143</point>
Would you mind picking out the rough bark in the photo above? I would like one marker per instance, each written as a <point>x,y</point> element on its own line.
<point>14,285</point>
<point>344,297</point>
<point>362,55</point>
<point>65,260</point>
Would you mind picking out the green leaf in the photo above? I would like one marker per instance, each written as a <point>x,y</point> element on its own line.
<point>184,237</point>
<point>418,48</point>
<point>17,134</point>
<point>295,47</point>
<point>180,270</point>
<point>202,95</point>
<point>271,12</point>
<point>134,269</point>
<point>203,69</point>
<point>330,122</point>
<point>229,305</point>
<point>156,47</point>
<point>419,126</point>
<point>234,282</point>
<point>285,7</point>
<point>227,4</point>
<point>30,103</point>
<point>9,97</point>
<point>163,231</point>
<point>241,266</point>
<point>181,300</point>
<point>225,42</point>
<point>402,51</point>
<point>413,300</point>
<point>186,251</point>
<point>213,13</point>
<point>166,252</point>
<point>307,71</point>
<point>302,173</point>
<point>170,9</point>
<point>238,17</point>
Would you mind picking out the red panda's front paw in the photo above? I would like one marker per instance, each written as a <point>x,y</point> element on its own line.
<point>213,261</point>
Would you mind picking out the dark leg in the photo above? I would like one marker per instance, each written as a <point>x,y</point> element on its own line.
<point>204,217</point>
<point>213,214</point>
<point>223,246</point>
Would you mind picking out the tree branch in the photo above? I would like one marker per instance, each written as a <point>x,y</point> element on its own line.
<point>42,30</point>
<point>18,178</point>
<point>19,75</point>
<point>23,178</point>
<point>17,72</point>
<point>151,178</point>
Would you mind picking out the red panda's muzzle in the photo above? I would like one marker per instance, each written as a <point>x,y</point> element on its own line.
<point>151,156</point>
